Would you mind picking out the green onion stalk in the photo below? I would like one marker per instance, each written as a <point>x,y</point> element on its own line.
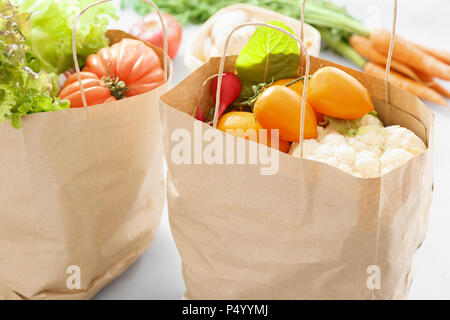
<point>336,26</point>
<point>334,23</point>
<point>341,47</point>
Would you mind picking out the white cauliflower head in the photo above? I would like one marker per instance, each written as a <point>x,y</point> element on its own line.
<point>372,137</point>
<point>339,155</point>
<point>357,144</point>
<point>394,158</point>
<point>371,120</point>
<point>325,151</point>
<point>401,138</point>
<point>345,155</point>
<point>309,148</point>
<point>367,151</point>
<point>333,139</point>
<point>367,164</point>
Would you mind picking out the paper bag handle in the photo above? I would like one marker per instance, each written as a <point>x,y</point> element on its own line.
<point>391,50</point>
<point>302,33</point>
<point>386,99</point>
<point>74,41</point>
<point>222,65</point>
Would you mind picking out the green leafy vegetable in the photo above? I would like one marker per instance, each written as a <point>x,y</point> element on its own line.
<point>197,12</point>
<point>22,90</point>
<point>50,39</point>
<point>269,55</point>
<point>345,127</point>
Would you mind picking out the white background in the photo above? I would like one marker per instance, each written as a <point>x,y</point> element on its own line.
<point>157,274</point>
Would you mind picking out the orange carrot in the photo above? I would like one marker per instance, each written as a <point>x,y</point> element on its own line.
<point>441,55</point>
<point>364,47</point>
<point>409,54</point>
<point>419,89</point>
<point>429,81</point>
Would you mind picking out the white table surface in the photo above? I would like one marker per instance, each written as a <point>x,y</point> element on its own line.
<point>157,274</point>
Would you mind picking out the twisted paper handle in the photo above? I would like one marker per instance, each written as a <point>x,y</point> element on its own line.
<point>386,99</point>
<point>74,42</point>
<point>391,50</point>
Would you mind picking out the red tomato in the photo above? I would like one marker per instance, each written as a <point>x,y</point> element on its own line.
<point>125,69</point>
<point>94,90</point>
<point>150,30</point>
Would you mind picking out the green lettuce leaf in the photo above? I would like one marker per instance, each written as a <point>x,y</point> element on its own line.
<point>50,36</point>
<point>269,55</point>
<point>22,90</point>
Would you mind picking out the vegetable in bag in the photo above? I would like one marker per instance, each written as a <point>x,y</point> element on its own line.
<point>22,90</point>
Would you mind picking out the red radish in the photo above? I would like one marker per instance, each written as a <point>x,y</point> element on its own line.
<point>230,90</point>
<point>200,115</point>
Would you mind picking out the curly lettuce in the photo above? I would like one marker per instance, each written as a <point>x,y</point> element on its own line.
<point>22,90</point>
<point>50,38</point>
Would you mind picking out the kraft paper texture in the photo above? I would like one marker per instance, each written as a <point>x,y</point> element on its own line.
<point>309,232</point>
<point>79,188</point>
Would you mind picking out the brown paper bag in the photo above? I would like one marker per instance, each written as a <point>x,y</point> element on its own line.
<point>81,193</point>
<point>310,231</point>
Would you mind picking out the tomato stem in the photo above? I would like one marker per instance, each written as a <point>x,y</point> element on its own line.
<point>117,87</point>
<point>257,90</point>
<point>295,81</point>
